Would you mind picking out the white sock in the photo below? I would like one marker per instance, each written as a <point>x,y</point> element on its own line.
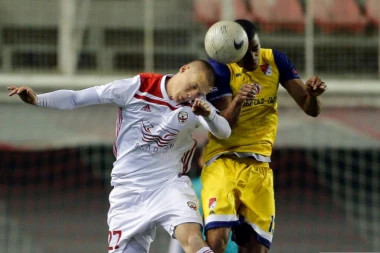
<point>205,250</point>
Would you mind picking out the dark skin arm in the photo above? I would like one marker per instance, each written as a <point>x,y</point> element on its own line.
<point>230,107</point>
<point>306,95</point>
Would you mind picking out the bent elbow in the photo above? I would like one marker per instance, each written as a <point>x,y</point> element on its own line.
<point>313,114</point>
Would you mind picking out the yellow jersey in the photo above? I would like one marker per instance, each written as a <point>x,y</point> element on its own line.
<point>255,131</point>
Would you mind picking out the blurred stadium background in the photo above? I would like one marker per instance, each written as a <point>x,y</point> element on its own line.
<point>55,165</point>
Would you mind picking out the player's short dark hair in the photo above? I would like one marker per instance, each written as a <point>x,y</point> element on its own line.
<point>210,73</point>
<point>249,28</point>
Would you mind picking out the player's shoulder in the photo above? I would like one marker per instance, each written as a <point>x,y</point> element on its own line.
<point>270,53</point>
<point>276,55</point>
<point>150,83</point>
<point>147,76</point>
<point>279,58</point>
<point>285,66</point>
<point>220,68</point>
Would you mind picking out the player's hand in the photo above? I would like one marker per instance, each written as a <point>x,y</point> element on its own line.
<point>247,92</point>
<point>201,108</point>
<point>25,93</point>
<point>315,86</point>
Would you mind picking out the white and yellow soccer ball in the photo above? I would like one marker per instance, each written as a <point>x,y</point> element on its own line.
<point>226,42</point>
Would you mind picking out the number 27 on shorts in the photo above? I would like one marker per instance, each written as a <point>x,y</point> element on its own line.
<point>113,239</point>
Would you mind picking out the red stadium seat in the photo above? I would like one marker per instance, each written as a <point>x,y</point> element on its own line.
<point>241,10</point>
<point>372,11</point>
<point>338,15</point>
<point>274,15</point>
<point>206,11</point>
<point>209,11</point>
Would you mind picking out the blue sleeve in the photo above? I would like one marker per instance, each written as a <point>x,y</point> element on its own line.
<point>222,81</point>
<point>285,67</point>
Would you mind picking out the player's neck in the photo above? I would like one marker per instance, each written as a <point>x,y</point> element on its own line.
<point>168,86</point>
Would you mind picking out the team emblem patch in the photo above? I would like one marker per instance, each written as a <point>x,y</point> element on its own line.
<point>212,203</point>
<point>192,205</point>
<point>266,69</point>
<point>215,89</point>
<point>182,117</point>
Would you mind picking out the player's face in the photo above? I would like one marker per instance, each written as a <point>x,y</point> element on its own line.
<point>251,59</point>
<point>193,84</point>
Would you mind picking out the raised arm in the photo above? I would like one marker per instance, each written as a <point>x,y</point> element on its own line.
<point>210,120</point>
<point>118,92</point>
<point>230,107</point>
<point>217,125</point>
<point>60,99</point>
<point>306,95</point>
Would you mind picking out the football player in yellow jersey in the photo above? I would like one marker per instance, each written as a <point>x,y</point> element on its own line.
<point>237,181</point>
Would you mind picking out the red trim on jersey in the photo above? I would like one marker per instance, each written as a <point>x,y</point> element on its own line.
<point>151,83</point>
<point>186,159</point>
<point>118,126</point>
<point>155,101</point>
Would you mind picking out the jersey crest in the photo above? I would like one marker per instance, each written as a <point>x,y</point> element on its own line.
<point>266,69</point>
<point>182,117</point>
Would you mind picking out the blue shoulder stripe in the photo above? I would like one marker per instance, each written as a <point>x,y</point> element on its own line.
<point>285,67</point>
<point>222,82</point>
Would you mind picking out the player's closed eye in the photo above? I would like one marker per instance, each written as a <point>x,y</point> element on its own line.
<point>196,87</point>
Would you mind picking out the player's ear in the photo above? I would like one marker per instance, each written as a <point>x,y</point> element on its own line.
<point>183,68</point>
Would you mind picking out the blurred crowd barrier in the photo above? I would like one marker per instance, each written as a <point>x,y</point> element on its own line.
<point>330,37</point>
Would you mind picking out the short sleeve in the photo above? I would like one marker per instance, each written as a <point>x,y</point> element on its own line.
<point>222,81</point>
<point>119,92</point>
<point>285,66</point>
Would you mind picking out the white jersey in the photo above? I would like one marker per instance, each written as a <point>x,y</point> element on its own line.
<point>153,148</point>
<point>153,133</point>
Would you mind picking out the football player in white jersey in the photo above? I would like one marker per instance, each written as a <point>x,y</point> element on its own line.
<point>153,150</point>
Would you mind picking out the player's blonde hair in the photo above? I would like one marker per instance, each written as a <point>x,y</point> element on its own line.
<point>207,68</point>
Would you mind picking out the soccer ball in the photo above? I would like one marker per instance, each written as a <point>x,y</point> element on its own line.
<point>226,42</point>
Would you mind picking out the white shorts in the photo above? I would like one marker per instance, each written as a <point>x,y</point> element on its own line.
<point>134,214</point>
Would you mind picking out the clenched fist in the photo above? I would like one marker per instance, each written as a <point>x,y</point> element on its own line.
<point>247,92</point>
<point>201,108</point>
<point>315,86</point>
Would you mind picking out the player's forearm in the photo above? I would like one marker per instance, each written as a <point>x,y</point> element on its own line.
<point>217,125</point>
<point>312,106</point>
<point>68,99</point>
<point>231,114</point>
